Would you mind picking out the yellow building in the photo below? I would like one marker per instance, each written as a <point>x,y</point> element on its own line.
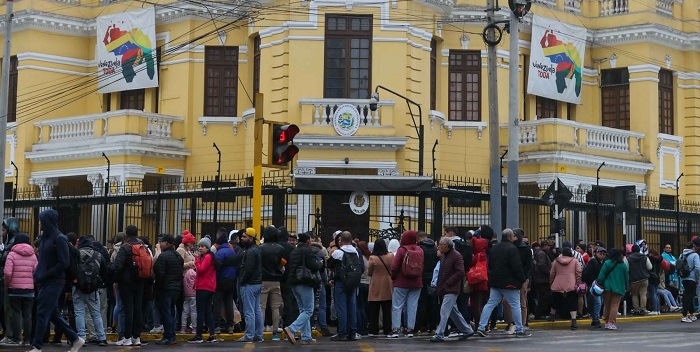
<point>639,111</point>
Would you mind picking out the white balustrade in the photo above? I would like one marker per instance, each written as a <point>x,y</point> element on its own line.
<point>609,139</point>
<point>73,129</point>
<point>572,6</point>
<point>528,134</point>
<point>550,3</point>
<point>159,127</point>
<point>323,110</point>
<point>613,7</point>
<point>665,7</point>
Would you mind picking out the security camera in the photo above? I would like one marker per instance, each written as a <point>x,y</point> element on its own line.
<point>346,160</point>
<point>373,101</point>
<point>289,190</point>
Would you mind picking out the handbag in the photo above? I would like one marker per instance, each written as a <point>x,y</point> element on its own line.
<point>581,288</point>
<point>478,273</point>
<point>305,276</point>
<point>596,288</point>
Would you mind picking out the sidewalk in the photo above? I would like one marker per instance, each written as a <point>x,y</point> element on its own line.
<point>221,337</point>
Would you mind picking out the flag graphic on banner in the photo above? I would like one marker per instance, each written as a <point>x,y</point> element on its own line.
<point>556,60</point>
<point>126,51</point>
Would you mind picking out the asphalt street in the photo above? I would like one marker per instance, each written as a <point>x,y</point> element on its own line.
<point>667,336</point>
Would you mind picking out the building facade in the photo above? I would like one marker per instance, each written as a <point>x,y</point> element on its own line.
<point>318,63</point>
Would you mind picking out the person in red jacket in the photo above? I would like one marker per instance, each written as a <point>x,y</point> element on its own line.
<point>205,284</point>
<point>407,286</point>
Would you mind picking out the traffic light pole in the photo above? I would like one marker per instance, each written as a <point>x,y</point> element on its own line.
<point>513,191</point>
<point>495,165</point>
<point>257,162</point>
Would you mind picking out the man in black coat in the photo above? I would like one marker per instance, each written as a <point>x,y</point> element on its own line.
<point>590,274</point>
<point>427,316</point>
<point>273,255</point>
<point>506,277</point>
<point>250,286</point>
<point>168,273</point>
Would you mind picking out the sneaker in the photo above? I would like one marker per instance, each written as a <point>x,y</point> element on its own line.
<point>523,334</point>
<point>102,343</point>
<point>686,320</point>
<point>275,336</point>
<point>437,338</point>
<point>693,317</point>
<point>34,349</point>
<point>184,330</point>
<point>410,333</point>
<point>268,328</point>
<point>92,341</point>
<point>482,333</point>
<point>244,339</point>
<point>308,342</point>
<point>339,337</point>
<point>211,339</point>
<point>394,334</point>
<point>612,327</point>
<point>596,324</point>
<point>453,334</point>
<point>136,341</point>
<point>77,344</point>
<point>11,343</point>
<point>157,330</point>
<point>465,336</point>
<point>257,339</point>
<point>325,332</point>
<point>196,339</point>
<point>510,330</point>
<point>163,342</point>
<point>124,342</point>
<point>655,313</point>
<point>4,340</point>
<point>290,335</point>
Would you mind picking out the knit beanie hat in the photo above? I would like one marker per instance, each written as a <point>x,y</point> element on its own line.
<point>206,242</point>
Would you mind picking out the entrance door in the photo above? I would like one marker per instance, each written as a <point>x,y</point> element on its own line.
<point>336,215</point>
<point>69,219</point>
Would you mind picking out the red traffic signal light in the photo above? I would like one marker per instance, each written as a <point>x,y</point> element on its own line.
<point>281,152</point>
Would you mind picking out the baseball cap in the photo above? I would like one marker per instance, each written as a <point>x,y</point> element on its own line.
<point>168,239</point>
<point>601,249</point>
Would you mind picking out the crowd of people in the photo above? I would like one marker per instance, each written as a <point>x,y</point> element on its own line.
<point>288,285</point>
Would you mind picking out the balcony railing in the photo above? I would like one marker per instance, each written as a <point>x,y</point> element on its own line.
<point>572,6</point>
<point>320,111</point>
<point>564,132</point>
<point>613,7</point>
<point>665,7</point>
<point>109,123</point>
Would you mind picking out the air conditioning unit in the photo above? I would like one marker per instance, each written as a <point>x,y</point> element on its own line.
<point>149,207</point>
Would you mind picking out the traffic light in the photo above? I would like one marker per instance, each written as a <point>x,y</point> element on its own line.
<point>520,7</point>
<point>281,149</point>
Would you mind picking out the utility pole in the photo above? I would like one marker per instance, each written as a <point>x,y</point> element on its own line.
<point>494,126</point>
<point>257,162</point>
<point>513,221</point>
<point>4,95</point>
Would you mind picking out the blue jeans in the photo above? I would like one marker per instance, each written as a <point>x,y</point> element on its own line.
<point>597,303</point>
<point>653,295</point>
<point>448,310</point>
<point>362,297</point>
<point>119,315</point>
<point>250,297</point>
<point>322,307</point>
<point>345,305</point>
<point>91,301</point>
<point>305,300</point>
<point>47,311</point>
<point>166,300</point>
<point>668,297</point>
<point>496,297</point>
<point>401,297</point>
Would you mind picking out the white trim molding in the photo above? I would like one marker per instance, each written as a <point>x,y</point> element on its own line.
<point>226,120</point>
<point>119,171</point>
<point>350,142</point>
<point>340,164</point>
<point>586,160</point>
<point>669,145</point>
<point>479,126</point>
<point>579,182</point>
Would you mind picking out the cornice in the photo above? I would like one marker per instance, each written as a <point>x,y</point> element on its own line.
<point>586,160</point>
<point>352,142</point>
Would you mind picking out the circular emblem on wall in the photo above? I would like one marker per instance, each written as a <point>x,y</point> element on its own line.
<point>359,202</point>
<point>346,120</point>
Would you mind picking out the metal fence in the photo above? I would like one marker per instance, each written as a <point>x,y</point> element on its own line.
<point>202,205</point>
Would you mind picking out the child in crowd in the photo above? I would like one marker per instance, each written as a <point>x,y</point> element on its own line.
<point>189,308</point>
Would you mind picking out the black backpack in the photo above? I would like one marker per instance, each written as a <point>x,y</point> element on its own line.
<point>350,270</point>
<point>89,279</point>
<point>684,270</point>
<point>74,265</point>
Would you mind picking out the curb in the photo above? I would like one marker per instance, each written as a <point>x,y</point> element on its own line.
<point>587,322</point>
<point>221,337</point>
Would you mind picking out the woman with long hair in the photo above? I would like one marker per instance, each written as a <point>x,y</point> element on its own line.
<point>614,276</point>
<point>380,287</point>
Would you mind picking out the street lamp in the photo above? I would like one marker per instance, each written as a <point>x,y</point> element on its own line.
<point>678,207</point>
<point>597,201</point>
<point>216,189</point>
<point>104,209</point>
<point>420,131</point>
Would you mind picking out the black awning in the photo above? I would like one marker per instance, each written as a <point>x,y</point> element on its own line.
<point>363,183</point>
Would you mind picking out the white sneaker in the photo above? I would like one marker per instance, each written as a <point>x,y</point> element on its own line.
<point>77,344</point>
<point>654,313</point>
<point>268,328</point>
<point>686,320</point>
<point>157,329</point>
<point>510,330</point>
<point>693,317</point>
<point>124,342</point>
<point>136,341</point>
<point>34,349</point>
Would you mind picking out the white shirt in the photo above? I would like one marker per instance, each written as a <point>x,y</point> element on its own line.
<point>338,254</point>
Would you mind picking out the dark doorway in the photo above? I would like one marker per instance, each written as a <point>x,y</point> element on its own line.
<point>69,218</point>
<point>336,215</point>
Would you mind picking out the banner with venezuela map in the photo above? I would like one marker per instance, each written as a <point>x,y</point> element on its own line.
<point>556,60</point>
<point>126,51</point>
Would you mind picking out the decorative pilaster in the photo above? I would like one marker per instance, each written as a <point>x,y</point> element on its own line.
<point>46,186</point>
<point>304,208</point>
<point>97,214</point>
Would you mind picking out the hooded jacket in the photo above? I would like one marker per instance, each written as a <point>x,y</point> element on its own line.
<point>408,243</point>
<point>124,271</point>
<point>206,273</point>
<point>693,263</point>
<point>187,257</point>
<point>430,259</point>
<point>639,266</point>
<point>250,271</point>
<point>54,257</point>
<point>480,246</point>
<point>505,269</point>
<point>565,274</point>
<point>451,273</point>
<point>19,267</point>
<point>272,255</point>
<point>543,266</point>
<point>592,270</point>
<point>302,255</point>
<point>88,244</point>
<point>464,248</point>
<point>226,272</point>
<point>8,242</point>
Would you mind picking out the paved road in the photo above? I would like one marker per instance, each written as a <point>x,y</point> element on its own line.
<point>666,336</point>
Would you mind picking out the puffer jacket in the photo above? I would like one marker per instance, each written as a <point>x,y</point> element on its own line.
<point>206,273</point>
<point>19,267</point>
<point>302,255</point>
<point>408,243</point>
<point>451,273</point>
<point>480,246</point>
<point>167,270</point>
<point>188,283</point>
<point>639,266</point>
<point>430,259</point>
<point>187,257</point>
<point>565,274</point>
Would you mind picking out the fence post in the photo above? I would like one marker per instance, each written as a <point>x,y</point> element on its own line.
<point>278,206</point>
<point>193,215</point>
<point>158,207</point>
<point>436,228</point>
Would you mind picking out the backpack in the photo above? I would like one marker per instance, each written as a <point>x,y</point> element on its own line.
<point>141,260</point>
<point>89,279</point>
<point>350,270</point>
<point>74,265</point>
<point>412,264</point>
<point>684,269</point>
